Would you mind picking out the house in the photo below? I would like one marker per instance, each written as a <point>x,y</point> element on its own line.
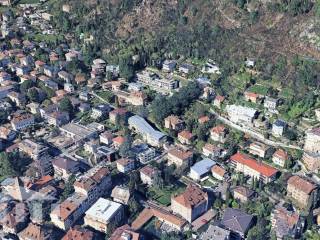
<point>179,157</point>
<point>64,167</point>
<point>135,98</point>
<point>312,140</point>
<point>169,65</point>
<point>34,108</point>
<point>271,103</point>
<point>7,134</point>
<point>218,172</point>
<point>311,161</point>
<point>121,194</point>
<point>22,121</point>
<point>210,150</point>
<point>190,204</point>
<point>250,167</point>
<point>302,192</point>
<point>216,233</point>
<point>237,221</point>
<point>36,232</point>
<point>286,223</point>
<point>106,137</point>
<point>280,157</point>
<point>18,98</point>
<point>259,149</point>
<point>118,141</point>
<point>218,101</point>
<point>278,128</point>
<point>148,174</point>
<point>143,152</point>
<point>185,137</point>
<point>203,119</point>
<point>88,188</point>
<point>186,68</point>
<point>174,123</point>
<point>58,118</point>
<point>125,232</point>
<point>250,63</point>
<point>117,115</point>
<point>211,67</point>
<point>135,87</point>
<point>218,133</point>
<point>78,233</point>
<point>251,97</point>
<point>68,87</point>
<point>103,213</point>
<point>100,111</point>
<point>4,76</point>
<point>200,169</point>
<point>72,55</point>
<point>243,194</point>
<point>125,165</point>
<point>150,135</point>
<point>16,220</point>
<point>240,114</point>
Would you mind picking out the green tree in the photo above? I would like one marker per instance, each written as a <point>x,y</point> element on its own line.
<point>66,105</point>
<point>3,116</point>
<point>6,168</point>
<point>33,95</point>
<point>68,188</point>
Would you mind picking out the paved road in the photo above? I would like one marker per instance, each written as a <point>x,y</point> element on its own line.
<point>252,133</point>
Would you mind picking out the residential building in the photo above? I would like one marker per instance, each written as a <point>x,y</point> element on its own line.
<point>271,103</point>
<point>211,67</point>
<point>106,137</point>
<point>144,153</point>
<point>179,157</point>
<point>118,115</point>
<point>100,111</point>
<point>312,140</point>
<point>286,223</point>
<point>254,169</point>
<point>218,101</point>
<point>16,220</point>
<point>186,68</point>
<point>7,134</point>
<point>156,82</point>
<point>259,149</point>
<point>58,118</point>
<point>78,233</point>
<point>215,233</point>
<point>64,167</point>
<point>210,150</point>
<point>317,113</point>
<point>200,169</point>
<point>218,133</point>
<point>125,165</point>
<point>150,135</point>
<point>302,192</point>
<point>218,172</point>
<point>278,128</point>
<point>191,204</point>
<point>243,194</point>
<point>237,221</point>
<point>18,98</point>
<point>169,65</point>
<point>22,121</point>
<point>311,161</point>
<point>36,232</point>
<point>240,114</point>
<point>121,194</point>
<point>102,213</point>
<point>203,119</point>
<point>185,137</point>
<point>174,123</point>
<point>148,174</point>
<point>251,97</point>
<point>118,141</point>
<point>135,98</point>
<point>280,157</point>
<point>125,232</point>
<point>78,132</point>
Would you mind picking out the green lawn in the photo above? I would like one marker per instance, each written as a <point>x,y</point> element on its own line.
<point>259,89</point>
<point>163,196</point>
<point>28,1</point>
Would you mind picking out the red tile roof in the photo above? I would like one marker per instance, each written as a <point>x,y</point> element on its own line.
<point>191,197</point>
<point>186,134</point>
<point>301,184</point>
<point>262,168</point>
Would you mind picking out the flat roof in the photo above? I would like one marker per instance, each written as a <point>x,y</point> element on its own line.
<point>103,209</point>
<point>203,166</point>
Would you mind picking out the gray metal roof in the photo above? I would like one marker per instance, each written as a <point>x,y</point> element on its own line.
<point>237,220</point>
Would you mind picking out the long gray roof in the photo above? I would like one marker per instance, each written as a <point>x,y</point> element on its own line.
<point>237,220</point>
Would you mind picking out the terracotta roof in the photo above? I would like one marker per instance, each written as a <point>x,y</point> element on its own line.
<point>301,184</point>
<point>281,154</point>
<point>125,229</point>
<point>124,161</point>
<point>149,171</point>
<point>78,233</point>
<point>262,168</point>
<point>243,191</point>
<point>251,94</point>
<point>185,134</point>
<point>41,182</point>
<point>119,140</point>
<point>191,197</point>
<point>218,170</point>
<point>184,155</point>
<point>203,119</point>
<point>211,147</point>
<point>118,111</point>
<point>85,183</point>
<point>218,129</point>
<point>34,232</point>
<point>173,119</point>
<point>21,117</point>
<point>219,98</point>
